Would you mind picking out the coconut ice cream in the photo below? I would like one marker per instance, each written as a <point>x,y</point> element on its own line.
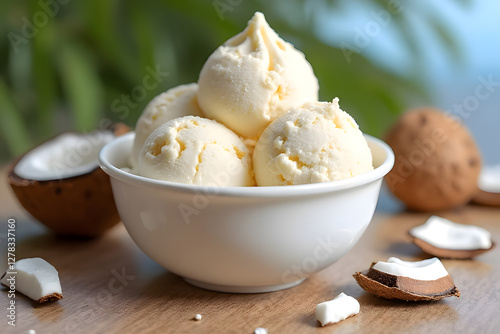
<point>176,102</point>
<point>318,142</point>
<point>195,150</point>
<point>253,78</point>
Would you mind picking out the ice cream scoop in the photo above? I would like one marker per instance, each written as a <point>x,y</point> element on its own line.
<point>318,142</point>
<point>196,150</point>
<point>253,78</point>
<point>175,102</point>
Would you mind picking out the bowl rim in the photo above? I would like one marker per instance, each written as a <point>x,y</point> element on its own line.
<point>263,191</point>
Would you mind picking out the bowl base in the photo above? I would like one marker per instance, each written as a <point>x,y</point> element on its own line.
<point>243,289</point>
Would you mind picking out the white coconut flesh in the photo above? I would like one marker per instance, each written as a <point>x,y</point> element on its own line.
<point>65,156</point>
<point>443,233</point>
<point>34,278</point>
<point>426,270</point>
<point>337,309</point>
<point>489,179</point>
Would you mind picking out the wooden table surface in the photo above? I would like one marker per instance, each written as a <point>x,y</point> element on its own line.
<point>110,286</point>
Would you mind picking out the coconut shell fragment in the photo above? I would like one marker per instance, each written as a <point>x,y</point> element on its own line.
<point>76,200</point>
<point>404,289</point>
<point>50,298</point>
<point>460,254</point>
<point>486,198</point>
<point>489,187</point>
<point>78,206</point>
<point>119,129</point>
<point>401,286</point>
<point>35,278</point>
<point>446,239</point>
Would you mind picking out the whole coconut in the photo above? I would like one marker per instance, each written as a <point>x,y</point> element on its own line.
<point>437,161</point>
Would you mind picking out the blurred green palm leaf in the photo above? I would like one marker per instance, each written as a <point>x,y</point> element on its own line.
<point>82,86</point>
<point>90,53</point>
<point>12,125</point>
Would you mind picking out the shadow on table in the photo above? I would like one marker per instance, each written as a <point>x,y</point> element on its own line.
<point>172,286</point>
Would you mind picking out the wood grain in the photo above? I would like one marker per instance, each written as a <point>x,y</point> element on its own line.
<point>110,286</point>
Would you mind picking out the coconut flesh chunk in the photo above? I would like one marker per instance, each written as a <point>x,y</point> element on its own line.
<point>65,156</point>
<point>34,278</point>
<point>489,179</point>
<point>442,233</point>
<point>426,270</point>
<point>337,309</point>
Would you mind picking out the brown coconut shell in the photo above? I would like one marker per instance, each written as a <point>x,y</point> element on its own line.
<point>486,198</point>
<point>404,288</point>
<point>82,205</point>
<point>50,298</point>
<point>460,254</point>
<point>437,162</point>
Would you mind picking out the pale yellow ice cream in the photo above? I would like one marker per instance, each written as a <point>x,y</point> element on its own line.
<point>315,143</point>
<point>196,150</point>
<point>175,102</point>
<point>253,78</point>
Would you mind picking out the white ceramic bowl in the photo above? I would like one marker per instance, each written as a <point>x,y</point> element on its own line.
<point>244,239</point>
